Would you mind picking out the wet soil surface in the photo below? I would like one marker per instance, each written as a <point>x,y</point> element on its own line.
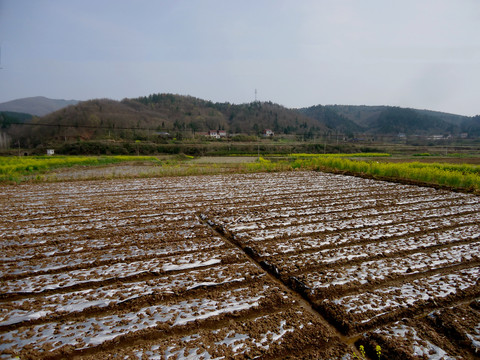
<point>286,265</point>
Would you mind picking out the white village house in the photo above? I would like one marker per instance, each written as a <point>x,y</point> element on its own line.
<point>268,133</point>
<point>217,134</point>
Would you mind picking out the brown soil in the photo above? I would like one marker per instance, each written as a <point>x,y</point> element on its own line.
<point>239,266</point>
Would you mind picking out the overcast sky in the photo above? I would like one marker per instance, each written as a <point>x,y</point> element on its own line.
<point>410,53</point>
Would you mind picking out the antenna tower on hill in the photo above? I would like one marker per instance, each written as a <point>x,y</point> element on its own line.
<point>255,95</point>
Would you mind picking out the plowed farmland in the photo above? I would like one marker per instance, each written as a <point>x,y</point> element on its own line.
<point>286,265</point>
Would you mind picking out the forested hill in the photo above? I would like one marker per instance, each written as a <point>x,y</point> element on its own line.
<point>185,112</point>
<point>177,115</point>
<point>37,105</point>
<point>332,119</point>
<point>184,116</point>
<point>394,120</point>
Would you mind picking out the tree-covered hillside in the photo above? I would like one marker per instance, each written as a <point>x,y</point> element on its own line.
<point>471,126</point>
<point>394,120</point>
<point>159,117</point>
<point>332,119</point>
<point>7,118</point>
<point>151,116</point>
<point>252,118</point>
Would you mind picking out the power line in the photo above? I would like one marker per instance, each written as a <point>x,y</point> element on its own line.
<point>79,126</point>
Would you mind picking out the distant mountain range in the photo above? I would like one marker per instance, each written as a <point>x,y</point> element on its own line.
<point>184,116</point>
<point>37,106</point>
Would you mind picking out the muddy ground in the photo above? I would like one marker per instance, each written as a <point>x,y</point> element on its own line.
<point>286,265</point>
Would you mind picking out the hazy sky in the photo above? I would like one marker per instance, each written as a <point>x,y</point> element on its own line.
<point>411,53</point>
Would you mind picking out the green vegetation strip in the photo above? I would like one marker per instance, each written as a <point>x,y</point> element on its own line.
<point>356,155</point>
<point>457,176</point>
<point>461,176</point>
<point>16,169</point>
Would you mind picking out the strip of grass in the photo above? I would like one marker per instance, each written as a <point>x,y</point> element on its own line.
<point>458,176</point>
<point>355,155</point>
<point>461,176</point>
<point>16,169</point>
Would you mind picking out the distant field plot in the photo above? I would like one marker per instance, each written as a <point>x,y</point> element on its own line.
<point>298,264</point>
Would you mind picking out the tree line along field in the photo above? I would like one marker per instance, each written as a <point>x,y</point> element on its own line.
<point>268,265</point>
